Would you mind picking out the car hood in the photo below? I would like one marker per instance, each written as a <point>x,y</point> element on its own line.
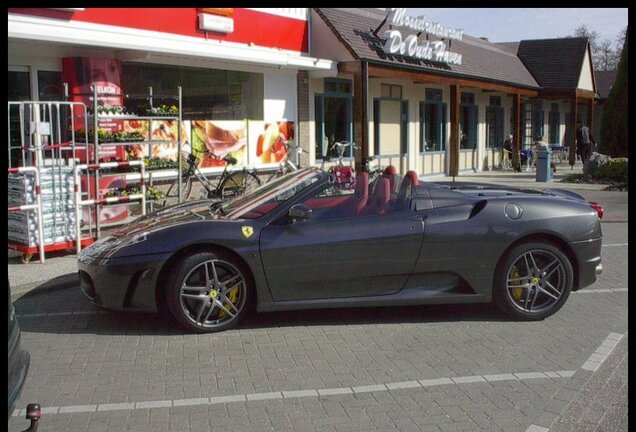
<point>170,216</point>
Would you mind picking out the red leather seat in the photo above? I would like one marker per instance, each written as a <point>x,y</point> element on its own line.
<point>410,180</point>
<point>390,170</point>
<point>390,173</point>
<point>354,205</point>
<point>380,201</point>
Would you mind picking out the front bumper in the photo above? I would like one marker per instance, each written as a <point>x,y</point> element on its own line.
<point>125,283</point>
<point>588,257</point>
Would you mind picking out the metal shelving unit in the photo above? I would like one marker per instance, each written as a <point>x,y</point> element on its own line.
<point>96,117</point>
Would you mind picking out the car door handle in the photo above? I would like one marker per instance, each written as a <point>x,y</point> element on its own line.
<point>418,217</point>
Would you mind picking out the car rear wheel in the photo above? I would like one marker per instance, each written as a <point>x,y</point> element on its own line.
<point>533,281</point>
<point>208,292</point>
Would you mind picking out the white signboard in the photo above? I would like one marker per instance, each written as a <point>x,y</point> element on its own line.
<point>429,50</point>
<point>398,17</point>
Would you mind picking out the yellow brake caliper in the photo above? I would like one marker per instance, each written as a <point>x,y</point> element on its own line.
<point>516,292</point>
<point>232,296</point>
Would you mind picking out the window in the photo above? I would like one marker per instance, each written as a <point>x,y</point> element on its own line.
<point>18,89</point>
<point>207,93</point>
<point>555,124</point>
<point>494,123</point>
<point>50,87</point>
<point>391,91</point>
<point>537,121</point>
<point>433,95</point>
<point>334,114</point>
<point>336,85</point>
<point>432,122</point>
<point>468,121</point>
<point>468,98</point>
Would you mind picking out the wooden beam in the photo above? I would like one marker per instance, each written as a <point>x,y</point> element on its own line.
<point>455,98</point>
<point>389,72</point>
<point>516,116</point>
<point>360,109</point>
<point>573,114</point>
<point>590,115</point>
<point>585,94</point>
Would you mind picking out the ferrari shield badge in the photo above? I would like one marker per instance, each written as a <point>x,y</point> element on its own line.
<point>247,231</point>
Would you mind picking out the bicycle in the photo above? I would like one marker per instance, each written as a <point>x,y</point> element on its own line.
<point>229,184</point>
<point>345,176</point>
<point>374,173</point>
<point>286,166</point>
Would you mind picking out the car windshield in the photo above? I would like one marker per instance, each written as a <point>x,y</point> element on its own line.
<point>269,196</point>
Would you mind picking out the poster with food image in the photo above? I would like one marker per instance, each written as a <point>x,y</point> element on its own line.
<point>270,144</point>
<point>214,140</point>
<point>137,128</point>
<point>165,133</point>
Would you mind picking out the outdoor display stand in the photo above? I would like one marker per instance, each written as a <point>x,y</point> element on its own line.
<point>119,131</point>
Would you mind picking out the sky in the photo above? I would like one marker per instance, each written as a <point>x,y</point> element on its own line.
<point>514,24</point>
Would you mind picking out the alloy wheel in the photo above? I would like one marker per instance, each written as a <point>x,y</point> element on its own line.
<point>536,281</point>
<point>212,294</point>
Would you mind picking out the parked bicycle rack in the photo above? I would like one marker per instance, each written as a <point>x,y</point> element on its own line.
<point>109,200</point>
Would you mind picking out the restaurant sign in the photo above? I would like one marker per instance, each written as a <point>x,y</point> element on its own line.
<point>427,50</point>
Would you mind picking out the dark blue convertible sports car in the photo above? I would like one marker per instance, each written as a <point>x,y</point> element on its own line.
<point>301,242</point>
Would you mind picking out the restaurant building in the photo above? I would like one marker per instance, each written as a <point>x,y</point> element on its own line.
<point>426,97</point>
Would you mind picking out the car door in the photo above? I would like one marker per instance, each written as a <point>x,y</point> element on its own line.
<point>346,257</point>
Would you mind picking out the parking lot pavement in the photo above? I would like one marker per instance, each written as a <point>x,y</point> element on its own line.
<point>430,368</point>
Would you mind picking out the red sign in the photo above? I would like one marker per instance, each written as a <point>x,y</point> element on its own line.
<point>250,27</point>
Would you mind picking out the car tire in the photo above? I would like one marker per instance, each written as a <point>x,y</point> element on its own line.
<point>208,291</point>
<point>533,281</point>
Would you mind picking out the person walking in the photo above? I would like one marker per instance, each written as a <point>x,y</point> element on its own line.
<point>584,141</point>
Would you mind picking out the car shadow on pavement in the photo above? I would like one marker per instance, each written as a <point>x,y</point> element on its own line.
<point>375,315</point>
<point>58,306</point>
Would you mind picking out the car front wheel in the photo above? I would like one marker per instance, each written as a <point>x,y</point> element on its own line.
<point>208,292</point>
<point>533,281</point>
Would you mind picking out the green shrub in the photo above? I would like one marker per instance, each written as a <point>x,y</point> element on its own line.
<point>615,171</point>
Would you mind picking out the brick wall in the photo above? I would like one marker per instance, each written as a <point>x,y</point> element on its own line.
<point>302,128</point>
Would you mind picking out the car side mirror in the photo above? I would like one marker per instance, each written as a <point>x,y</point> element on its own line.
<point>300,212</point>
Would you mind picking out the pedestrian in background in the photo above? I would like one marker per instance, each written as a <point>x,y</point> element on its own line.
<point>584,141</point>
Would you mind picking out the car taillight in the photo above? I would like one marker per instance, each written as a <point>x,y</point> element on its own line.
<point>599,210</point>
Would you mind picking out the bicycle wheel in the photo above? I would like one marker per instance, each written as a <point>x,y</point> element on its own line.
<point>172,195</point>
<point>239,183</point>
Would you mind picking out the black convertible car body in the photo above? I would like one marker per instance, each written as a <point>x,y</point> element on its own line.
<point>299,242</point>
<point>18,360</point>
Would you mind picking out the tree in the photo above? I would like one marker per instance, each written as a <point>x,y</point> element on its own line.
<point>605,54</point>
<point>606,57</point>
<point>615,118</point>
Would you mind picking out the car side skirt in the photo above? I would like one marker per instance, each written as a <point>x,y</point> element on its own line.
<point>406,297</point>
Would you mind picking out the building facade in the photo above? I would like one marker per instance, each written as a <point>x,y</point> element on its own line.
<point>239,69</point>
<point>411,93</point>
<point>435,100</point>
